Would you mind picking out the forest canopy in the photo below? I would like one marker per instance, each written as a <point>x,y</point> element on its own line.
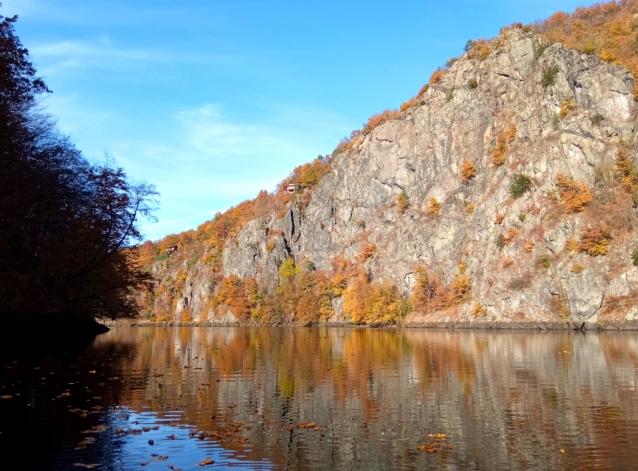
<point>68,226</point>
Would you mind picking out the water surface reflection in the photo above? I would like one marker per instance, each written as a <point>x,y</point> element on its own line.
<point>327,398</point>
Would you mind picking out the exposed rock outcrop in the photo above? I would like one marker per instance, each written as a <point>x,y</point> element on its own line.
<point>555,111</point>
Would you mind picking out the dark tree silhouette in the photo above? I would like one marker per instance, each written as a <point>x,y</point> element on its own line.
<point>68,228</point>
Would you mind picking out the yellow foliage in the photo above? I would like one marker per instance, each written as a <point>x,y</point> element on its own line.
<point>403,201</point>
<point>574,194</point>
<point>467,171</point>
<point>571,245</point>
<point>479,310</point>
<point>470,209</point>
<point>595,240</point>
<point>499,219</point>
<point>433,206</point>
<point>529,246</point>
<point>288,269</point>
<point>608,55</point>
<point>566,107</point>
<point>270,246</point>
<point>338,285</point>
<point>480,50</point>
<point>368,303</point>
<point>507,262</point>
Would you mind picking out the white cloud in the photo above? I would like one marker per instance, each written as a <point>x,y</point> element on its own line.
<point>211,161</point>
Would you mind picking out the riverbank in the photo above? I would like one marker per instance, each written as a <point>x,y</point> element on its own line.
<point>610,325</point>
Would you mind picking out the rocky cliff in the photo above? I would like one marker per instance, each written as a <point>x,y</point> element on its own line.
<point>514,171</point>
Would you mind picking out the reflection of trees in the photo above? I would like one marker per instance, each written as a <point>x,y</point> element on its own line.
<point>507,400</point>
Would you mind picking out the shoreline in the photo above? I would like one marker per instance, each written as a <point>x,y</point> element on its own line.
<point>491,325</point>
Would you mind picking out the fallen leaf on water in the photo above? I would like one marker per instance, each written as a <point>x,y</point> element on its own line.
<point>96,429</point>
<point>171,437</point>
<point>146,429</point>
<point>159,458</point>
<point>91,372</point>
<point>65,394</point>
<point>206,462</point>
<point>232,406</point>
<point>88,466</point>
<point>6,397</point>
<point>144,463</point>
<point>151,442</point>
<point>562,451</point>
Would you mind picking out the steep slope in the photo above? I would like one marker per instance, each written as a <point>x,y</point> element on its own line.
<point>503,195</point>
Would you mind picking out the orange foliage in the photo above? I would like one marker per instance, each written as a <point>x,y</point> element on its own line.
<point>367,251</point>
<point>373,303</point>
<point>603,28</point>
<point>410,103</point>
<point>480,50</point>
<point>436,77</point>
<point>236,294</point>
<point>511,234</point>
<point>578,268</point>
<point>499,219</point>
<point>379,119</point>
<point>348,143</point>
<point>498,153</point>
<point>467,171</point>
<point>510,134</point>
<point>595,240</point>
<point>507,262</point>
<point>430,293</point>
<point>626,171</point>
<point>574,194</point>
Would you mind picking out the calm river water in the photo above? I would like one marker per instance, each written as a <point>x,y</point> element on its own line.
<point>324,398</point>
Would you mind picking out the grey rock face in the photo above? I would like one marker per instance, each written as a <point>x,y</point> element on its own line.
<point>420,153</point>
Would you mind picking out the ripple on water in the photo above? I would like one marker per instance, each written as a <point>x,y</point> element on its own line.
<point>321,398</point>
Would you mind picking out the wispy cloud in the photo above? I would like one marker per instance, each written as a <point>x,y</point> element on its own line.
<point>211,161</point>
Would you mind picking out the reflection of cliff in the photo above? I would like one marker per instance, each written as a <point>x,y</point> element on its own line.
<point>506,400</point>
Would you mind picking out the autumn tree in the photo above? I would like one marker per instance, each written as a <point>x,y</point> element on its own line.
<point>69,228</point>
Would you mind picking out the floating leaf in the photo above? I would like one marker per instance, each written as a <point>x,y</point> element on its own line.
<point>206,462</point>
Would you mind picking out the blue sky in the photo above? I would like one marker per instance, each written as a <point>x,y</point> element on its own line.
<point>213,100</point>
